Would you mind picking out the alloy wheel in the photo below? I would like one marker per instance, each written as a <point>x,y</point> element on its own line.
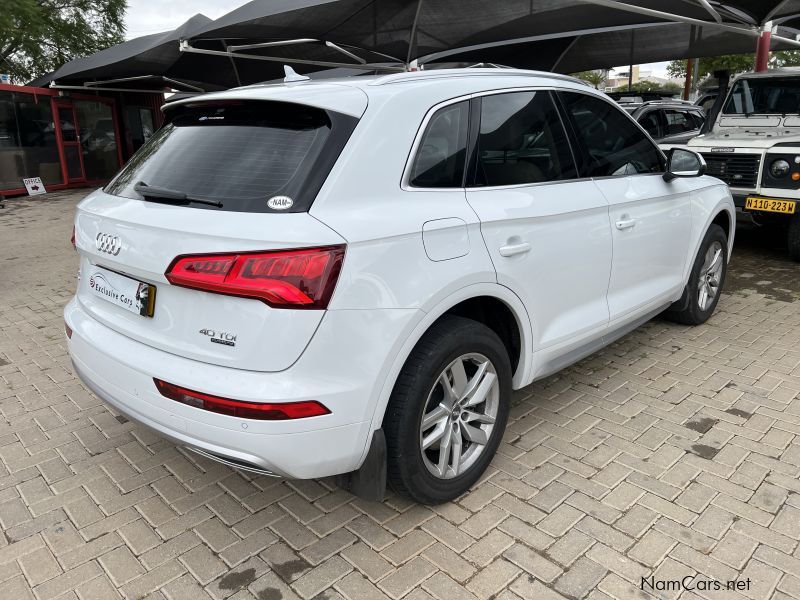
<point>459,416</point>
<point>710,276</point>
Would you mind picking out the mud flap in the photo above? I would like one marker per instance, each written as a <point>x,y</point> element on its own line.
<point>681,303</point>
<point>368,482</point>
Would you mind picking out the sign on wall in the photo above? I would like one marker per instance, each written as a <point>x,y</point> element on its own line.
<point>34,186</point>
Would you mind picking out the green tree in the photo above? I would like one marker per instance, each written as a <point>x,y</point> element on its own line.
<point>37,36</point>
<point>735,63</point>
<point>594,78</point>
<point>650,86</point>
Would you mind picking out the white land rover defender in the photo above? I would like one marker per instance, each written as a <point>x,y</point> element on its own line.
<point>754,147</point>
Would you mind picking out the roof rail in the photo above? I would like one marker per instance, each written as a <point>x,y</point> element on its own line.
<point>471,71</point>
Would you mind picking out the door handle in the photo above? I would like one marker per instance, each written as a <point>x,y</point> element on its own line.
<point>625,223</point>
<point>515,249</point>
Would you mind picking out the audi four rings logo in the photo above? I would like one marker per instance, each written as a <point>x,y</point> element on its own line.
<point>110,244</point>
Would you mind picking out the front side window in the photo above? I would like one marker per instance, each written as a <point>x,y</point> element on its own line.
<point>698,117</point>
<point>522,141</point>
<point>442,152</point>
<point>613,144</point>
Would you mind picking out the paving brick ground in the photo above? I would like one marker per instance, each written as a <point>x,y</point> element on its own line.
<point>674,452</point>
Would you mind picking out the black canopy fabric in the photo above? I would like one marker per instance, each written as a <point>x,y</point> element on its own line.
<point>563,34</point>
<point>310,35</point>
<point>145,62</point>
<point>605,49</point>
<point>408,29</point>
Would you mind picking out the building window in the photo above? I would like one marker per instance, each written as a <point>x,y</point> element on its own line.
<point>98,139</point>
<point>27,140</point>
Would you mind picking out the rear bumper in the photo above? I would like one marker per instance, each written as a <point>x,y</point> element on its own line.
<point>343,368</point>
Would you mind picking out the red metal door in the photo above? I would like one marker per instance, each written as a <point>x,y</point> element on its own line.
<point>68,134</point>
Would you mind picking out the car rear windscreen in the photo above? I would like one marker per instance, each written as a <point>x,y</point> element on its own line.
<point>236,156</point>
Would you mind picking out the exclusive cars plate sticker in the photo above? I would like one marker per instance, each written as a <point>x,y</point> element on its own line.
<point>280,202</point>
<point>132,295</point>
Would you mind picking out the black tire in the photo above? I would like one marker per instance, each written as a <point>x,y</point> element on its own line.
<point>794,238</point>
<point>687,310</point>
<point>448,339</point>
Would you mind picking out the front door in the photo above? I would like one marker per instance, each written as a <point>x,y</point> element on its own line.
<point>650,218</point>
<point>547,233</point>
<point>69,135</point>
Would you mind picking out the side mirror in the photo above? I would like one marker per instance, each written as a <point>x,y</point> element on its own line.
<point>684,163</point>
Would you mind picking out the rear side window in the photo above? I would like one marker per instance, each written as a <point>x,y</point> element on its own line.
<point>442,152</point>
<point>651,123</point>
<point>521,141</point>
<point>614,146</point>
<point>239,155</point>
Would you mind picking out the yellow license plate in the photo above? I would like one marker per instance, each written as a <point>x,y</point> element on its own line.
<point>771,205</point>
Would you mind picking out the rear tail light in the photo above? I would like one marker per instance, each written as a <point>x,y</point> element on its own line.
<point>68,330</point>
<point>72,239</point>
<point>266,411</point>
<point>302,278</point>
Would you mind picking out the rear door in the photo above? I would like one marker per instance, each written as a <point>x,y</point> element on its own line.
<point>547,231</point>
<point>650,218</point>
<point>213,212</point>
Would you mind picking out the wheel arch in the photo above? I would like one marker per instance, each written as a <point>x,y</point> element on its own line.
<point>467,301</point>
<point>725,219</point>
<point>705,213</point>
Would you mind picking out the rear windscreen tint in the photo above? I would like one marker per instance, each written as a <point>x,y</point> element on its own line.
<point>239,155</point>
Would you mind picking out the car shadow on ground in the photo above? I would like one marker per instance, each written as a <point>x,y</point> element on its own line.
<point>760,263</point>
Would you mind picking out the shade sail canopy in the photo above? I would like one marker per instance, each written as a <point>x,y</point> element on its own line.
<point>151,62</point>
<point>566,35</point>
<point>251,43</point>
<point>573,52</point>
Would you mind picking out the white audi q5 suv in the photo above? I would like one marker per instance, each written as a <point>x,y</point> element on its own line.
<point>349,277</point>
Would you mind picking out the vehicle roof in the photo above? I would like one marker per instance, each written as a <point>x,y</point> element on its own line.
<point>782,72</point>
<point>412,77</point>
<point>350,94</point>
<point>669,102</point>
<point>660,104</point>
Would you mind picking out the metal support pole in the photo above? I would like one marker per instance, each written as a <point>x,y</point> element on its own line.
<point>687,87</point>
<point>630,66</point>
<point>762,47</point>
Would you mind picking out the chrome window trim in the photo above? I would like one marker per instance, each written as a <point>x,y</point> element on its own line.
<point>406,186</point>
<point>405,183</point>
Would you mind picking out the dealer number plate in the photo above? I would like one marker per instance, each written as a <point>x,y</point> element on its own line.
<point>132,295</point>
<point>771,205</point>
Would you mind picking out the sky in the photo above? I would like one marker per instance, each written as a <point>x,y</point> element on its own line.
<point>144,17</point>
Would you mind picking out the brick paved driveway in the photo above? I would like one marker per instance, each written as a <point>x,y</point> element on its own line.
<point>676,451</point>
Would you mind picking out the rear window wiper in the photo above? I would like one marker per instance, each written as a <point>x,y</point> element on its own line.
<point>159,193</point>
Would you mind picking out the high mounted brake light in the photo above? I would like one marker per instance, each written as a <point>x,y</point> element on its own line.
<point>301,278</point>
<point>264,411</point>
